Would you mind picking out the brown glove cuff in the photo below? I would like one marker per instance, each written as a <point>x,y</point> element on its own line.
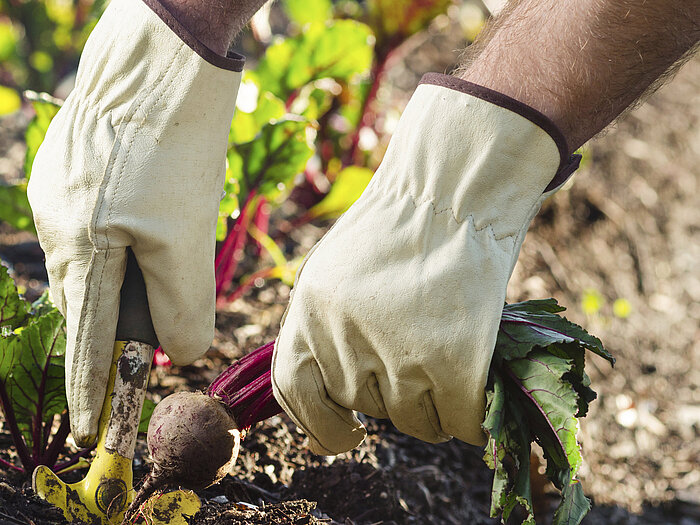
<point>232,61</point>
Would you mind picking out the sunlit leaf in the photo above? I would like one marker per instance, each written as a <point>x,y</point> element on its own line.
<point>45,107</point>
<point>536,323</point>
<point>308,11</point>
<point>346,189</point>
<point>536,390</point>
<point>14,207</point>
<point>13,309</point>
<point>552,402</point>
<point>247,124</point>
<point>340,50</point>
<point>8,41</point>
<point>269,163</point>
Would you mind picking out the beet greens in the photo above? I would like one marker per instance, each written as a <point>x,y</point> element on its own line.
<point>536,391</point>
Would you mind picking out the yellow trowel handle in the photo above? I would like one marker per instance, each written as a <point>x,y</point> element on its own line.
<point>107,489</point>
<point>128,380</point>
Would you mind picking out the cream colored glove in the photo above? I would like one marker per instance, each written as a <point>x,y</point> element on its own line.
<point>395,311</point>
<point>135,157</point>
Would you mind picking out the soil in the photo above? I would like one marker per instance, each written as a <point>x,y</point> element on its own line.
<point>627,229</point>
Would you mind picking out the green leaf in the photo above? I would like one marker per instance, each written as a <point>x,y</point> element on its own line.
<point>395,20</point>
<point>9,350</point>
<point>315,99</point>
<point>551,402</point>
<point>248,122</point>
<point>507,451</point>
<point>146,412</point>
<point>341,50</point>
<point>573,507</point>
<point>13,309</point>
<point>536,390</point>
<point>308,11</point>
<point>14,207</point>
<point>45,107</point>
<point>535,323</point>
<point>42,305</point>
<point>269,163</point>
<point>347,188</point>
<point>36,384</point>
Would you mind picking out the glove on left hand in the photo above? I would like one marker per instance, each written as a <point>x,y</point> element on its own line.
<point>135,157</point>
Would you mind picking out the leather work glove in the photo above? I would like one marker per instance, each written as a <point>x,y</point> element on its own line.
<point>395,311</point>
<point>135,157</point>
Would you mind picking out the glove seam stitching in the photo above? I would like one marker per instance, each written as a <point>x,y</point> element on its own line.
<point>126,122</point>
<point>81,350</point>
<point>468,218</point>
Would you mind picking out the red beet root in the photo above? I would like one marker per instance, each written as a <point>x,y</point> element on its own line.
<point>194,438</point>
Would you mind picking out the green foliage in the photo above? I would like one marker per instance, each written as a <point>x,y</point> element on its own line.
<point>308,11</point>
<point>41,40</point>
<point>35,384</point>
<point>347,188</point>
<point>339,49</point>
<point>397,20</point>
<point>45,109</point>
<point>536,392</point>
<point>32,391</point>
<point>269,163</point>
<point>14,205</point>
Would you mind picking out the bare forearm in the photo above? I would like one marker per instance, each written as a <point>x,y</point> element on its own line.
<point>214,22</point>
<point>582,62</point>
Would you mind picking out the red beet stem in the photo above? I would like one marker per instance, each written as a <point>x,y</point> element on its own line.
<point>245,387</point>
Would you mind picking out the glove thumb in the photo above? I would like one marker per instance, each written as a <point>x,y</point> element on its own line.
<point>88,297</point>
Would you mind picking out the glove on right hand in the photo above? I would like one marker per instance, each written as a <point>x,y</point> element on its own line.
<point>395,311</point>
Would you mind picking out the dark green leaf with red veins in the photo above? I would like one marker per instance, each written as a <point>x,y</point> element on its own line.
<point>341,49</point>
<point>536,323</point>
<point>36,383</point>
<point>536,390</point>
<point>573,507</point>
<point>507,452</point>
<point>13,309</point>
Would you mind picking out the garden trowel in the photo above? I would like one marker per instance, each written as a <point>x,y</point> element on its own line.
<point>107,490</point>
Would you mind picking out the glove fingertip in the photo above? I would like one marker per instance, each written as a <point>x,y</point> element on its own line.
<point>341,442</point>
<point>84,428</point>
<point>298,387</point>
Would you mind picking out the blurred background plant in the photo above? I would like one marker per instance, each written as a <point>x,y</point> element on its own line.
<point>308,131</point>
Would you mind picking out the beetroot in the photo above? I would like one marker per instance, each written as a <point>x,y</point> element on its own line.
<point>194,438</point>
